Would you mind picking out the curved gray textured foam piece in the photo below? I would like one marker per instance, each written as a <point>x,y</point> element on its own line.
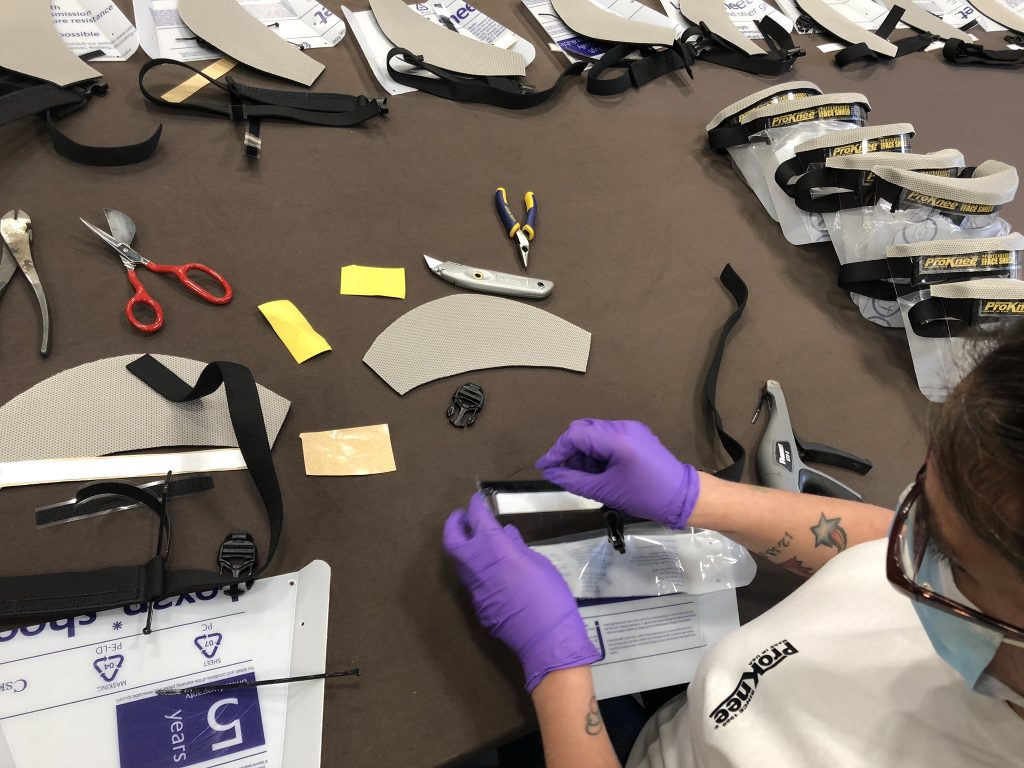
<point>100,408</point>
<point>713,14</point>
<point>584,17</point>
<point>30,44</point>
<point>441,47</point>
<point>228,27</point>
<point>456,334</point>
<point>832,20</point>
<point>918,18</point>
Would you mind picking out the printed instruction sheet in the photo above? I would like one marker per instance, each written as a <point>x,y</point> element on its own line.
<point>304,23</point>
<point>86,685</point>
<point>743,14</point>
<point>577,47</point>
<point>86,26</point>
<point>655,642</point>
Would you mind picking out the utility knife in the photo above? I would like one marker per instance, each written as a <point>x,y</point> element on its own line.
<point>488,281</point>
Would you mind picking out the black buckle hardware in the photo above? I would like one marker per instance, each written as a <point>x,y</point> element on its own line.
<point>616,532</point>
<point>237,558</point>
<point>467,402</point>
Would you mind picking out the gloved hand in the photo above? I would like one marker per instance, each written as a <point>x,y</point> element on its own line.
<point>623,465</point>
<point>519,596</point>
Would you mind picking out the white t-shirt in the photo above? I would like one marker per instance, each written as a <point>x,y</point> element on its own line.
<point>841,673</point>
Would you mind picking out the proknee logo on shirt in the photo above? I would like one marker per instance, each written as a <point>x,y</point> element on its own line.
<point>737,701</point>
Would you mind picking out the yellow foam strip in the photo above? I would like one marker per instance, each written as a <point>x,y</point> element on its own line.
<point>373,281</point>
<point>294,330</point>
<point>215,71</point>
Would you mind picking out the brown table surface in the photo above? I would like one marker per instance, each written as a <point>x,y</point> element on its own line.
<point>636,220</point>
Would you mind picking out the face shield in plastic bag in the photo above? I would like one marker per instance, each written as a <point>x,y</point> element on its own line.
<point>946,322</point>
<point>846,184</point>
<point>638,559</point>
<point>777,129</point>
<point>803,227</point>
<point>725,132</point>
<point>877,285</point>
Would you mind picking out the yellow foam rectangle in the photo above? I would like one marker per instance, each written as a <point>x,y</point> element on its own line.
<point>373,281</point>
<point>214,71</point>
<point>355,451</point>
<point>294,330</point>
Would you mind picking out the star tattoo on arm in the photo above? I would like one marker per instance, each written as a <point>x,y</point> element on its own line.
<point>828,533</point>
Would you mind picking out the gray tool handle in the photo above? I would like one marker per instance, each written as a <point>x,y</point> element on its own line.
<point>19,243</point>
<point>500,283</point>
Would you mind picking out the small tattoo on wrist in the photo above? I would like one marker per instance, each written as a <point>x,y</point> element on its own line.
<point>594,722</point>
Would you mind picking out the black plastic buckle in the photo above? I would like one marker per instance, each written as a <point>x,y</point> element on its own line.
<point>616,531</point>
<point>467,402</point>
<point>237,558</point>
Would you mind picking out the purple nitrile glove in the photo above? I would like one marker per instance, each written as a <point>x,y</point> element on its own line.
<point>623,465</point>
<point>518,595</point>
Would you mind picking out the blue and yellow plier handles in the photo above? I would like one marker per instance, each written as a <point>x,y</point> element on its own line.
<point>523,233</point>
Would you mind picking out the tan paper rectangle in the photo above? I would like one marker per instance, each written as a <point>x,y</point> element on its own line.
<point>214,71</point>
<point>354,451</point>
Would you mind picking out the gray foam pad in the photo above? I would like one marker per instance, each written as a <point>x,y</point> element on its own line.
<point>463,333</point>
<point>592,21</point>
<point>227,26</point>
<point>100,408</point>
<point>30,44</point>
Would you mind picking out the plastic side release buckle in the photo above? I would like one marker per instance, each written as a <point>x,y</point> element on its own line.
<point>467,402</point>
<point>616,531</point>
<point>237,558</point>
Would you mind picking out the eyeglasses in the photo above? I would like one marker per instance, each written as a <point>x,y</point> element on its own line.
<point>908,542</point>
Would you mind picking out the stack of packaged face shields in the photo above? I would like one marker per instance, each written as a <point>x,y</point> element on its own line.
<point>919,237</point>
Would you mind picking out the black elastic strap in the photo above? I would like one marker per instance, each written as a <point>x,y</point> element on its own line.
<point>960,52</point>
<point>937,318</point>
<point>873,278</point>
<point>853,190</point>
<point>738,289</point>
<point>497,91</point>
<point>778,60</point>
<point>652,64</point>
<point>21,97</point>
<point>909,44</point>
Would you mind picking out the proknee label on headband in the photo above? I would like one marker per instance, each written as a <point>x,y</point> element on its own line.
<point>896,143</point>
<point>852,112</point>
<point>1000,307</point>
<point>777,99</point>
<point>910,197</point>
<point>932,269</point>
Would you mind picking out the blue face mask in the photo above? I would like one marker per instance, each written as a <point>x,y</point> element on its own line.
<point>964,645</point>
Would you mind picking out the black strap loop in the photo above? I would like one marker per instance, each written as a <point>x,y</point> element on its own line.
<point>849,188</point>
<point>905,45</point>
<point>652,64</point>
<point>738,289</point>
<point>960,52</point>
<point>778,60</point>
<point>936,318</point>
<point>497,91</point>
<point>874,278</point>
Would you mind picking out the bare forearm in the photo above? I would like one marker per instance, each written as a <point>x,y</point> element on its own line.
<point>570,722</point>
<point>798,531</point>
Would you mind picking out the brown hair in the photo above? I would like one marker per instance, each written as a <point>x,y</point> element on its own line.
<point>977,445</point>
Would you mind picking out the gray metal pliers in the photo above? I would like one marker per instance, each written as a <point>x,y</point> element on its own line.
<point>16,252</point>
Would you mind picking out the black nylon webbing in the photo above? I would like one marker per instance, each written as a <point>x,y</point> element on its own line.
<point>856,193</point>
<point>960,52</point>
<point>778,60</point>
<point>65,594</point>
<point>905,45</point>
<point>872,278</point>
<point>504,92</point>
<point>735,285</point>
<point>937,318</point>
<point>652,64</point>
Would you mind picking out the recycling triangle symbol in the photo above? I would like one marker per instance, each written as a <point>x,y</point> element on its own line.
<point>109,666</point>
<point>208,643</point>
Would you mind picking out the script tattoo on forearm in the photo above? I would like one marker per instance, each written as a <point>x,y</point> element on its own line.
<point>776,551</point>
<point>828,533</point>
<point>594,722</point>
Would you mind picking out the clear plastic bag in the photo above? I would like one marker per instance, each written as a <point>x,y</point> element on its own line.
<point>657,561</point>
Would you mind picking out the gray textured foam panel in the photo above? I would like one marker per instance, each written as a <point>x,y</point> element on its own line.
<point>100,408</point>
<point>592,21</point>
<point>441,47</point>
<point>829,18</point>
<point>227,26</point>
<point>1000,14</point>
<point>919,18</point>
<point>463,333</point>
<point>29,44</point>
<point>713,14</point>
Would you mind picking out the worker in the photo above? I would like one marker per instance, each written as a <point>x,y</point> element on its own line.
<point>904,648</point>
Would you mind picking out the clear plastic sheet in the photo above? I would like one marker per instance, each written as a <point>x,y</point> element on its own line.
<point>657,561</point>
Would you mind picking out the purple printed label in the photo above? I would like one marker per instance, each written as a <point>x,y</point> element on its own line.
<point>166,731</point>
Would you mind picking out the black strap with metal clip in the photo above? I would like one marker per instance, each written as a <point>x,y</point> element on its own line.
<point>938,318</point>
<point>654,62</point>
<point>905,45</point>
<point>245,102</point>
<point>497,91</point>
<point>22,96</point>
<point>71,593</point>
<point>778,60</point>
<point>960,52</point>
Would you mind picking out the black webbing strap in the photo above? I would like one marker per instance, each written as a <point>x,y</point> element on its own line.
<point>497,91</point>
<point>781,55</point>
<point>246,102</point>
<point>652,64</point>
<point>21,96</point>
<point>937,318</point>
<point>848,188</point>
<point>960,52</point>
<point>735,285</point>
<point>65,594</point>
<point>731,133</point>
<point>872,278</point>
<point>905,45</point>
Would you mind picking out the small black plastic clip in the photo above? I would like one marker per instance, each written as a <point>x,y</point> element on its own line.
<point>616,531</point>
<point>467,402</point>
<point>237,558</point>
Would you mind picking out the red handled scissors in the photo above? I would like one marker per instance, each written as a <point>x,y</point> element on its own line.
<point>122,232</point>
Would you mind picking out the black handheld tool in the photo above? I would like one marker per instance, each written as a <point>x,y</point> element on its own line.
<point>781,454</point>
